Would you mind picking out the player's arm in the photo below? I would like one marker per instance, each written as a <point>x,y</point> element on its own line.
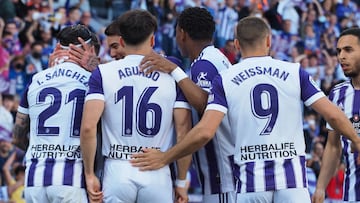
<point>337,120</point>
<point>198,136</point>
<point>182,120</point>
<point>21,130</point>
<point>330,160</point>
<point>196,96</point>
<point>91,115</point>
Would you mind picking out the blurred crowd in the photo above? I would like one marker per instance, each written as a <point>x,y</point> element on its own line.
<point>303,32</point>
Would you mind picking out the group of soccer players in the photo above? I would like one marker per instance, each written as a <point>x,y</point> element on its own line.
<point>142,98</point>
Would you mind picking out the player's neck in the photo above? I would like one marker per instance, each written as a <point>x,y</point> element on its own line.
<point>356,82</point>
<point>138,50</point>
<point>196,48</point>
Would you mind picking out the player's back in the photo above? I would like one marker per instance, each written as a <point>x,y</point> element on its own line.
<point>264,98</point>
<point>138,108</point>
<point>54,101</point>
<point>213,161</point>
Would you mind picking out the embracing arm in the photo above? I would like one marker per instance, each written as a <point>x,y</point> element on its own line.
<point>330,160</point>
<point>196,138</point>
<point>182,120</point>
<point>21,130</point>
<point>196,96</point>
<point>91,115</point>
<point>337,120</point>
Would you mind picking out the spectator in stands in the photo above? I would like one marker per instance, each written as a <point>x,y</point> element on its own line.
<point>230,51</point>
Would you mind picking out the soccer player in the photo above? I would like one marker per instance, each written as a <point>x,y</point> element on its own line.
<point>194,34</point>
<point>52,105</point>
<point>346,95</point>
<point>263,98</point>
<point>137,111</point>
<point>113,35</point>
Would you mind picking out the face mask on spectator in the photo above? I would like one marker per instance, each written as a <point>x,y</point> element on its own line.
<point>36,55</point>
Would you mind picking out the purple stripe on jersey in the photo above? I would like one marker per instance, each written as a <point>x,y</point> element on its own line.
<point>214,174</point>
<point>250,185</point>
<point>236,172</point>
<point>356,103</point>
<point>308,87</point>
<point>347,172</point>
<point>341,99</point>
<point>233,169</point>
<point>95,82</point>
<point>269,176</point>
<point>357,178</point>
<point>199,171</point>
<point>48,172</point>
<point>217,91</point>
<point>68,172</point>
<point>303,170</point>
<point>83,178</point>
<point>30,178</point>
<point>289,173</point>
<point>356,111</point>
<point>24,100</point>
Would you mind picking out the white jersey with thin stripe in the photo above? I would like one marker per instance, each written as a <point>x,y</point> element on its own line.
<point>138,109</point>
<point>214,161</point>
<point>263,98</point>
<point>348,99</point>
<point>54,101</point>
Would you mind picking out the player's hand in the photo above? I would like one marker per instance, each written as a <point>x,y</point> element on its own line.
<point>156,62</point>
<point>151,159</point>
<point>181,195</point>
<point>318,196</point>
<point>355,146</point>
<point>94,189</point>
<point>57,54</point>
<point>84,56</point>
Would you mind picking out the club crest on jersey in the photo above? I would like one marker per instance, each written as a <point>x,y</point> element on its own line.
<point>355,120</point>
<point>202,81</point>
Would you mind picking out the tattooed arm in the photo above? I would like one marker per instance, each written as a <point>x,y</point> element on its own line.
<point>21,130</point>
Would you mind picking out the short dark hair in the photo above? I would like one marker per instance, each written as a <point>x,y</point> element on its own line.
<point>19,168</point>
<point>136,26</point>
<point>113,28</point>
<point>70,34</point>
<point>250,30</point>
<point>355,31</point>
<point>95,42</point>
<point>198,23</point>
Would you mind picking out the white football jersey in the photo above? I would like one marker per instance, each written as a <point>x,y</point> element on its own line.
<point>54,102</point>
<point>348,99</point>
<point>138,110</point>
<point>214,161</point>
<point>263,98</point>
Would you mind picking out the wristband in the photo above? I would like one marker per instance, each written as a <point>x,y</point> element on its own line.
<point>178,74</point>
<point>180,183</point>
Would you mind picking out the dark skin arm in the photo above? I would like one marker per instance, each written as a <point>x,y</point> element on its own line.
<point>196,96</point>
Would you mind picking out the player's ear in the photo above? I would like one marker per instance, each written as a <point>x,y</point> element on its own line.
<point>152,40</point>
<point>268,41</point>
<point>121,42</point>
<point>237,44</point>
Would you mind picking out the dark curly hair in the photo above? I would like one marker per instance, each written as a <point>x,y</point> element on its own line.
<point>197,22</point>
